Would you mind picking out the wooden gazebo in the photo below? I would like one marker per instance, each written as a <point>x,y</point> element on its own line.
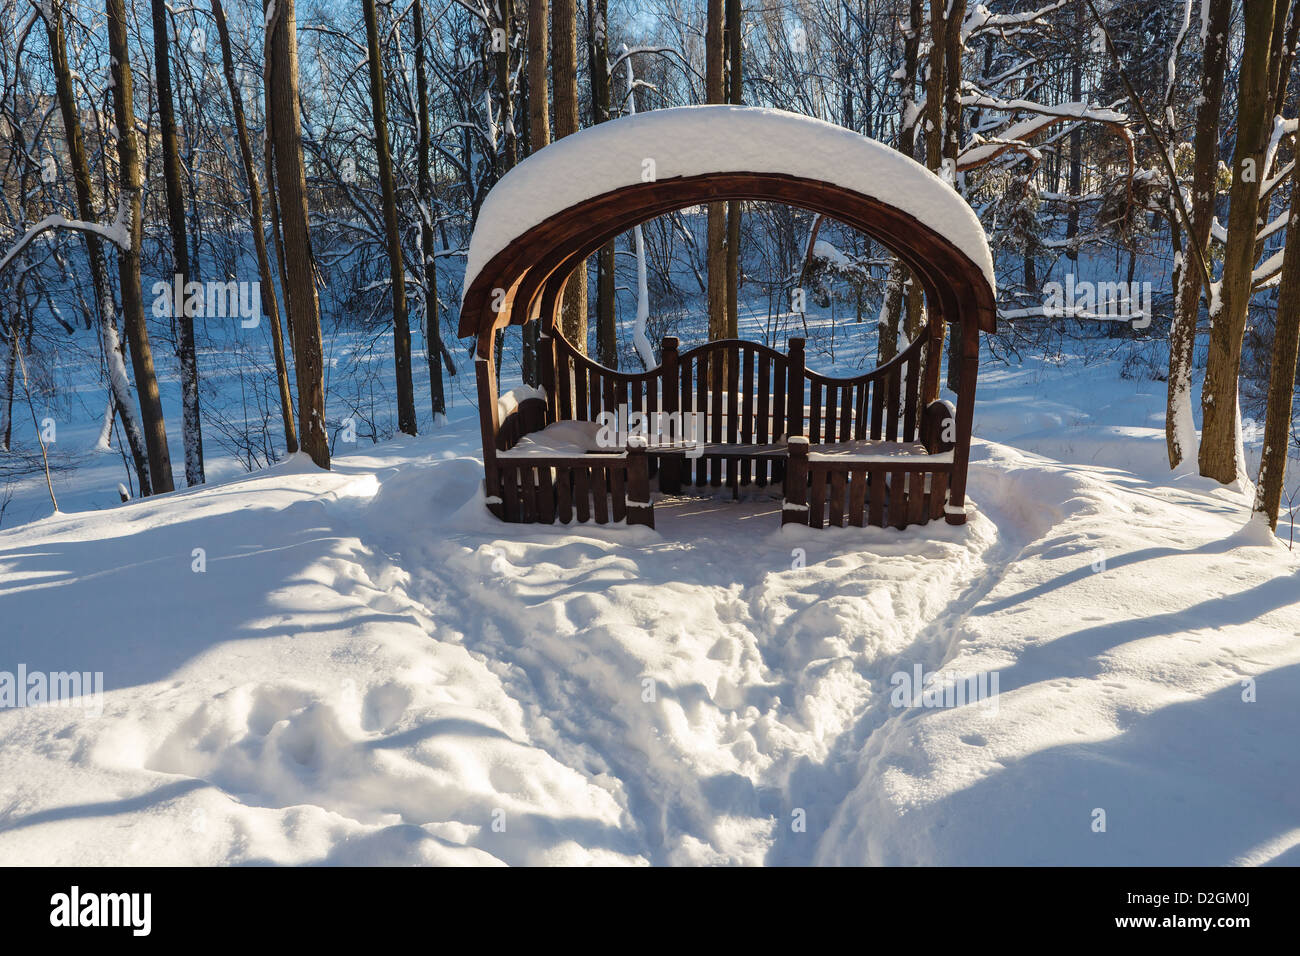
<point>880,448</point>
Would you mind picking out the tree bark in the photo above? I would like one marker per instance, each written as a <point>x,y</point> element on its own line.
<point>1281,376</point>
<point>564,80</point>
<point>266,282</point>
<point>110,342</point>
<point>191,423</point>
<point>128,260</point>
<point>598,68</point>
<point>735,96</point>
<point>424,183</point>
<point>716,229</point>
<point>290,177</point>
<point>1219,412</point>
<point>1180,427</point>
<point>406,422</point>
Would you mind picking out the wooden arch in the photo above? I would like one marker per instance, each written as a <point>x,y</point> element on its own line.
<point>507,290</point>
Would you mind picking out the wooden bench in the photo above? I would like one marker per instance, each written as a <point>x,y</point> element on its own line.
<point>590,442</point>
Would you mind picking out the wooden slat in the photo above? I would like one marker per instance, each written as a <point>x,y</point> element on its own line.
<point>527,495</point>
<point>702,407</point>
<point>594,393</point>
<point>846,412</point>
<point>913,388</point>
<point>600,494</point>
<point>815,414</point>
<point>564,494</point>
<point>618,491</point>
<point>828,428</point>
<point>582,493</point>
<point>916,498</point>
<point>897,499</point>
<point>579,392</point>
<point>877,407</point>
<point>510,492</point>
<point>837,499</point>
<point>876,499</point>
<point>891,406</point>
<point>862,409</point>
<point>545,496</point>
<point>747,410</point>
<point>857,496</point>
<point>817,497</point>
<point>764,422</point>
<point>938,493</point>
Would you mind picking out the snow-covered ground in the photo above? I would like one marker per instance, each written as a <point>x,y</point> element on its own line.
<point>368,668</point>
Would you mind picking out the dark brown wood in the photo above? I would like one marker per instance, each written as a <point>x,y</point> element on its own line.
<point>857,496</point>
<point>753,395</point>
<point>836,516</point>
<point>640,509</point>
<point>795,507</point>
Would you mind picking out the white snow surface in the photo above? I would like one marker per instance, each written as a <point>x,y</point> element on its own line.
<point>373,670</point>
<point>695,140</point>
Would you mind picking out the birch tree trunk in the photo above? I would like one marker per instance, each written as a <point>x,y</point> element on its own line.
<point>1180,426</point>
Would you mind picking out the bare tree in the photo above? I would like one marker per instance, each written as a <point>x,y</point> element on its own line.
<point>128,257</point>
<point>285,141</point>
<point>392,227</point>
<point>191,423</point>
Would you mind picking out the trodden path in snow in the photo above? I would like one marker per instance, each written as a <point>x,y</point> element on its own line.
<point>720,673</point>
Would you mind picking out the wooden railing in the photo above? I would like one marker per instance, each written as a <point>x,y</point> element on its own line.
<point>738,405</point>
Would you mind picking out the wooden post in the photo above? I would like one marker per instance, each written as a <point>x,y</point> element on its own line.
<point>485,374</point>
<point>794,510</point>
<point>955,510</point>
<point>640,510</point>
<point>794,389</point>
<point>670,465</point>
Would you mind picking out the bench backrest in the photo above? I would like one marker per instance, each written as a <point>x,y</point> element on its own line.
<point>746,391</point>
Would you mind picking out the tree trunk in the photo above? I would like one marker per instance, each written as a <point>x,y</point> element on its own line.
<point>735,96</point>
<point>392,227</point>
<point>1076,134</point>
<point>110,342</point>
<point>1281,376</point>
<point>191,423</point>
<point>598,67</point>
<point>290,178</point>
<point>1219,412</point>
<point>1180,427</point>
<point>564,80</point>
<point>424,183</point>
<point>266,283</point>
<point>128,260</point>
<point>716,230</point>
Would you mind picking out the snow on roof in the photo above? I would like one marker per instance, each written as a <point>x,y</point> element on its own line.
<point>695,140</point>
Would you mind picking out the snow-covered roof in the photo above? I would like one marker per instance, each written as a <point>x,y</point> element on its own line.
<point>697,140</point>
